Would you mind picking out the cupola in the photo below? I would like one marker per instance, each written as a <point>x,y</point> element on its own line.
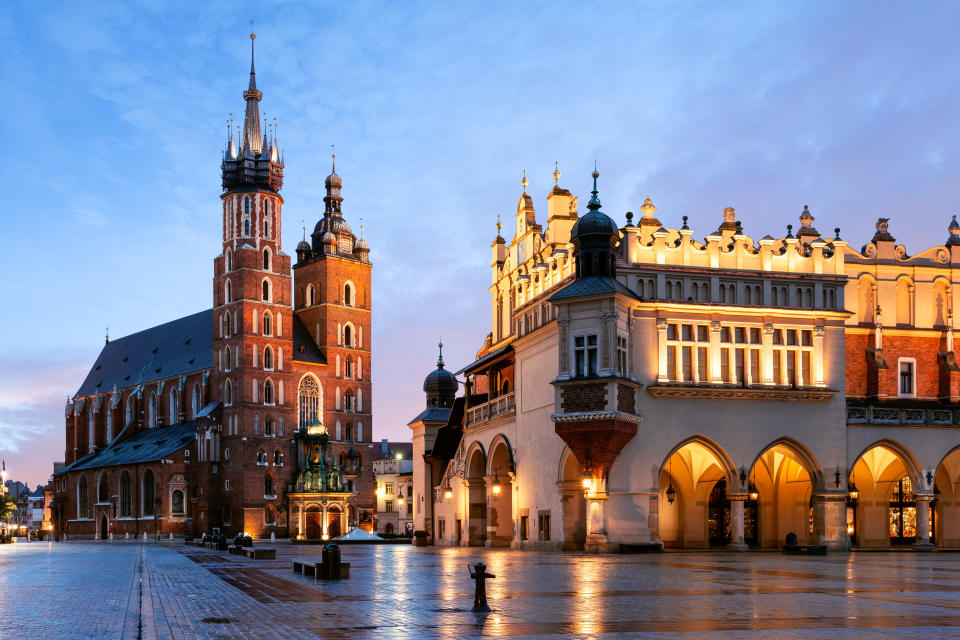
<point>594,238</point>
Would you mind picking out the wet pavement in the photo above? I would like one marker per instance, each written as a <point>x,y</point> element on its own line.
<point>126,590</point>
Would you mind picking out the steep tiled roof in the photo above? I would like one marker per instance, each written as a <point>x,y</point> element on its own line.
<point>433,413</point>
<point>166,350</point>
<point>148,445</point>
<point>304,347</point>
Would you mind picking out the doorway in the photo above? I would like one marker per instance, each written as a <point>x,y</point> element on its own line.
<point>103,527</point>
<point>314,529</point>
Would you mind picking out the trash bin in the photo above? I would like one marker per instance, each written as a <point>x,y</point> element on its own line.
<point>330,555</point>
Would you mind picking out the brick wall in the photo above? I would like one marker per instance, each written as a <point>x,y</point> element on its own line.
<point>583,397</point>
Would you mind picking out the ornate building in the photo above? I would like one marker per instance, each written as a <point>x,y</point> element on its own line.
<point>253,415</point>
<point>642,388</point>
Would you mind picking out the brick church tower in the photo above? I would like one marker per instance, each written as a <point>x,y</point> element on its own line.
<point>332,290</point>
<point>253,330</point>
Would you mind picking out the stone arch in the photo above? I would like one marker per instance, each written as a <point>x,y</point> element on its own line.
<point>873,474</point>
<point>688,475</point>
<point>500,475</point>
<point>573,502</point>
<point>866,298</point>
<point>905,300</point>
<point>803,457</point>
<point>474,472</point>
<point>499,441</point>
<point>945,508</point>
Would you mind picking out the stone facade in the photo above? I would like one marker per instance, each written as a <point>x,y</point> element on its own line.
<point>642,388</point>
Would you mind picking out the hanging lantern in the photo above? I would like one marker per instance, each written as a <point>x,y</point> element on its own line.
<point>671,494</point>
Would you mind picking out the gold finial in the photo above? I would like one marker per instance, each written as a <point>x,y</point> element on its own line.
<point>524,182</point>
<point>499,226</point>
<point>556,174</point>
<point>647,208</point>
<point>333,157</point>
<point>252,34</point>
<point>107,329</point>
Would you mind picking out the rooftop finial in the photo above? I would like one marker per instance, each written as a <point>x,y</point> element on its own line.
<point>440,357</point>
<point>524,182</point>
<point>107,329</point>
<point>499,225</point>
<point>304,227</point>
<point>556,174</point>
<point>361,228</point>
<point>333,158</point>
<point>594,203</point>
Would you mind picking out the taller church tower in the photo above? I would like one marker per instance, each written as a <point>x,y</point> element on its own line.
<point>253,330</point>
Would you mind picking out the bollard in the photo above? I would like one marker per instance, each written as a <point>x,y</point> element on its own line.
<point>171,535</point>
<point>144,536</point>
<point>273,537</point>
<point>480,575</point>
<point>330,555</point>
<point>127,536</point>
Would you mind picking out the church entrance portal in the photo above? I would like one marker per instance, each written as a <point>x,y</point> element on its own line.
<point>314,530</point>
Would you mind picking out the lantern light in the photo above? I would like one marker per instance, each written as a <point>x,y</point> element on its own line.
<point>496,489</point>
<point>671,494</point>
<point>754,494</point>
<point>448,494</point>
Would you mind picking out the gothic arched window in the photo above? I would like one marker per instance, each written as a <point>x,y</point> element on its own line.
<point>348,295</point>
<point>227,393</point>
<point>266,259</point>
<point>149,493</point>
<point>309,402</point>
<point>103,491</point>
<point>266,290</point>
<point>267,357</point>
<point>125,494</point>
<point>267,324</point>
<point>348,336</point>
<point>197,399</point>
<point>153,411</point>
<point>268,392</point>
<point>268,485</point>
<point>177,502</point>
<point>83,499</point>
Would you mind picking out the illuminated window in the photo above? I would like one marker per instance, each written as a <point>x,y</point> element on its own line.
<point>621,355</point>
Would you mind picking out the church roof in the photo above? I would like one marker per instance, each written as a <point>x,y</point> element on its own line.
<point>169,349</point>
<point>435,414</point>
<point>304,347</point>
<point>147,445</point>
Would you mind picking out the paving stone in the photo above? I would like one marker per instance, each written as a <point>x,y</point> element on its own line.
<point>122,589</point>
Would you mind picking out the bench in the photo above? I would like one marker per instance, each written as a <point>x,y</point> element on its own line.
<point>259,553</point>
<point>315,568</point>
<point>210,545</point>
<point>235,549</point>
<point>805,549</point>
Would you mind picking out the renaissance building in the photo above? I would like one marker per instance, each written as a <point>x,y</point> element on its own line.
<point>642,388</point>
<point>253,415</point>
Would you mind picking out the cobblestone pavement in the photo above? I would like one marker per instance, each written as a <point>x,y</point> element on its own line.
<point>121,589</point>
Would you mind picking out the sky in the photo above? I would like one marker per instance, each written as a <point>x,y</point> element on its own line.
<point>115,120</point>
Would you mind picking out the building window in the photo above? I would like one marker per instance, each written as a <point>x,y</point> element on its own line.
<point>621,355</point>
<point>348,401</point>
<point>278,458</point>
<point>524,527</point>
<point>388,506</point>
<point>268,427</point>
<point>267,357</point>
<point>267,324</point>
<point>197,399</point>
<point>543,526</point>
<point>268,486</point>
<point>348,295</point>
<point>266,258</point>
<point>388,488</point>
<point>261,457</point>
<point>268,397</point>
<point>176,502</point>
<point>792,357</point>
<point>124,506</point>
<point>441,528</point>
<point>585,355</point>
<point>311,296</point>
<point>83,499</point>
<point>348,336</point>
<point>227,393</point>
<point>149,494</point>
<point>348,432</point>
<point>908,381</point>
<point>103,492</point>
<point>309,401</point>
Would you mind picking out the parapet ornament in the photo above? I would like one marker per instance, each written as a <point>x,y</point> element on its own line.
<point>819,331</point>
<point>715,326</point>
<point>768,329</point>
<point>661,324</point>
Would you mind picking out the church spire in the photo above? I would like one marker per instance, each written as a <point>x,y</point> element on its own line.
<point>252,144</point>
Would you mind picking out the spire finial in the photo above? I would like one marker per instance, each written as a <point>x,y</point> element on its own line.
<point>594,204</point>
<point>361,228</point>
<point>333,158</point>
<point>107,329</point>
<point>524,182</point>
<point>304,227</point>
<point>499,225</point>
<point>556,174</point>
<point>440,358</point>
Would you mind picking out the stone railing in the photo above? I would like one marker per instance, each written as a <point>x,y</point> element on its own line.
<point>902,415</point>
<point>499,406</point>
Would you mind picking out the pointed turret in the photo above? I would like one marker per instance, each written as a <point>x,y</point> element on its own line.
<point>252,145</point>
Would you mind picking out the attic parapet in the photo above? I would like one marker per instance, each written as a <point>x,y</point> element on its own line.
<point>721,250</point>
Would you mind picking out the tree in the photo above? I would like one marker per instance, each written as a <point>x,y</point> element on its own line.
<point>8,506</point>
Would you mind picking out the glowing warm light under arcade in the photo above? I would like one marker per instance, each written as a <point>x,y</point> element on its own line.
<point>448,494</point>
<point>496,489</point>
<point>587,483</point>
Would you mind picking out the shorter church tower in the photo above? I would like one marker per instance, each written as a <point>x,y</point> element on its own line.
<point>332,301</point>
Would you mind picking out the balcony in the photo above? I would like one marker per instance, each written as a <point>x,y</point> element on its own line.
<point>500,406</point>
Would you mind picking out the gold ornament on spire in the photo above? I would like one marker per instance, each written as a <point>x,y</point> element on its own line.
<point>556,174</point>
<point>524,182</point>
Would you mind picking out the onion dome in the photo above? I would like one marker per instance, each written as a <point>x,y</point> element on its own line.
<point>440,385</point>
<point>594,237</point>
<point>954,229</point>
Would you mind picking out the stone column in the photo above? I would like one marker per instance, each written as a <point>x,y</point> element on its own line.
<point>923,522</point>
<point>830,520</point>
<point>716,369</point>
<point>736,522</point>
<point>596,522</point>
<point>301,522</point>
<point>662,350</point>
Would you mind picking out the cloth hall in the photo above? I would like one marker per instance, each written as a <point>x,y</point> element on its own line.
<point>253,415</point>
<point>645,386</point>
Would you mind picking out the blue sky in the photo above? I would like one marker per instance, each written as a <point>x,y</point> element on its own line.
<point>115,114</point>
